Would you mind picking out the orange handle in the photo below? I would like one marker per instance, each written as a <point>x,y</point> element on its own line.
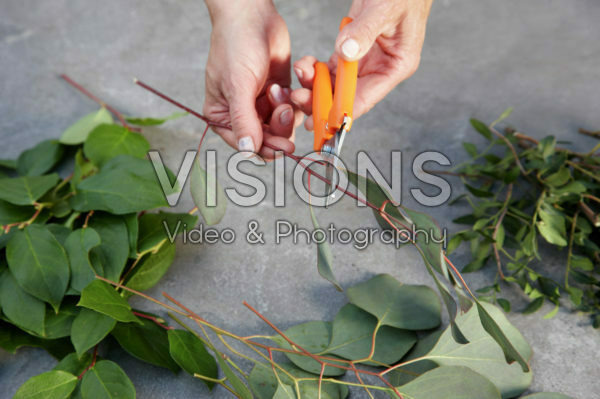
<point>322,100</point>
<point>345,89</point>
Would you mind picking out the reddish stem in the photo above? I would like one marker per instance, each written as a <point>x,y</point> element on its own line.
<point>83,90</point>
<point>92,364</point>
<point>152,318</point>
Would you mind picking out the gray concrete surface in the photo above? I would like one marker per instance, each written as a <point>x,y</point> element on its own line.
<point>480,56</point>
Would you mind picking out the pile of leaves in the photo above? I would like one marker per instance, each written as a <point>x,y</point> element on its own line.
<point>74,249</point>
<point>58,234</point>
<point>524,192</point>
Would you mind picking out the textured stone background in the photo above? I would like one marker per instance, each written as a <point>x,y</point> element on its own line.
<point>480,56</point>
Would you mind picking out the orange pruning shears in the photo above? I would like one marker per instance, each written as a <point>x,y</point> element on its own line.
<point>332,112</point>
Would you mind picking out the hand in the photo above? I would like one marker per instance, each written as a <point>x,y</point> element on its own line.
<point>386,36</point>
<point>248,76</point>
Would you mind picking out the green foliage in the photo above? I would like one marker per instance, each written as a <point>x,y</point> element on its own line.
<point>191,355</point>
<point>324,255</point>
<point>59,235</point>
<point>526,193</point>
<point>203,189</point>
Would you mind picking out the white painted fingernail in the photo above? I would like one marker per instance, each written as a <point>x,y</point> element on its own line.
<point>299,72</point>
<point>350,49</point>
<point>286,117</point>
<point>276,93</point>
<point>246,144</point>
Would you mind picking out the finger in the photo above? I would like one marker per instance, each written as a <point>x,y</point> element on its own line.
<point>245,122</point>
<point>278,95</point>
<point>282,121</point>
<point>304,69</point>
<point>309,124</point>
<point>302,98</point>
<point>264,107</point>
<point>356,38</point>
<point>277,142</point>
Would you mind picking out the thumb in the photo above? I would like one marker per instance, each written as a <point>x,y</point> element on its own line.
<point>356,38</point>
<point>245,123</point>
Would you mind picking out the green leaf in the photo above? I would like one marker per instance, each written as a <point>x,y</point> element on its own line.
<point>13,338</point>
<point>78,246</point>
<point>113,250</point>
<point>352,334</point>
<point>40,159</point>
<point>106,380</point>
<point>191,355</point>
<point>152,268</point>
<point>478,192</point>
<point>108,141</point>
<point>412,307</point>
<point>83,169</point>
<point>234,381</point>
<point>450,383</point>
<point>581,262</point>
<point>482,354</point>
<point>552,226</point>
<point>132,223</point>
<point>376,196</point>
<point>89,328</point>
<point>324,256</point>
<point>103,298</point>
<point>74,364</point>
<point>10,164</point>
<point>58,325</point>
<point>534,305</point>
<point>147,342</point>
<point>26,190</point>
<point>559,178</point>
<point>546,146</point>
<point>481,128</point>
<point>265,385</point>
<point>79,131</point>
<point>201,189</point>
<point>511,354</point>
<point>19,307</point>
<point>284,391</point>
<point>410,371</point>
<point>52,384</point>
<point>154,121</point>
<point>124,185</point>
<point>470,148</point>
<point>504,304</point>
<point>156,228</point>
<point>313,336</point>
<point>39,264</point>
<point>547,395</point>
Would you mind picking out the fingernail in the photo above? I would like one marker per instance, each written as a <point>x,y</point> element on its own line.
<point>287,91</point>
<point>246,144</point>
<point>299,72</point>
<point>350,48</point>
<point>276,93</point>
<point>286,117</point>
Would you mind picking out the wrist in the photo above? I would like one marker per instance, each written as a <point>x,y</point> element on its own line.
<point>229,9</point>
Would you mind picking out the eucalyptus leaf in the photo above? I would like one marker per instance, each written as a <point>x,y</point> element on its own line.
<point>89,328</point>
<point>74,364</point>
<point>314,337</point>
<point>39,264</point>
<point>102,298</point>
<point>107,141</point>
<point>201,190</point>
<point>10,164</point>
<point>450,382</point>
<point>547,395</point>
<point>52,384</point>
<point>191,355</point>
<point>79,131</point>
<point>482,353</point>
<point>106,380</point>
<point>411,307</point>
<point>58,325</point>
<point>157,228</point>
<point>324,256</point>
<point>352,337</point>
<point>265,385</point>
<point>233,379</point>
